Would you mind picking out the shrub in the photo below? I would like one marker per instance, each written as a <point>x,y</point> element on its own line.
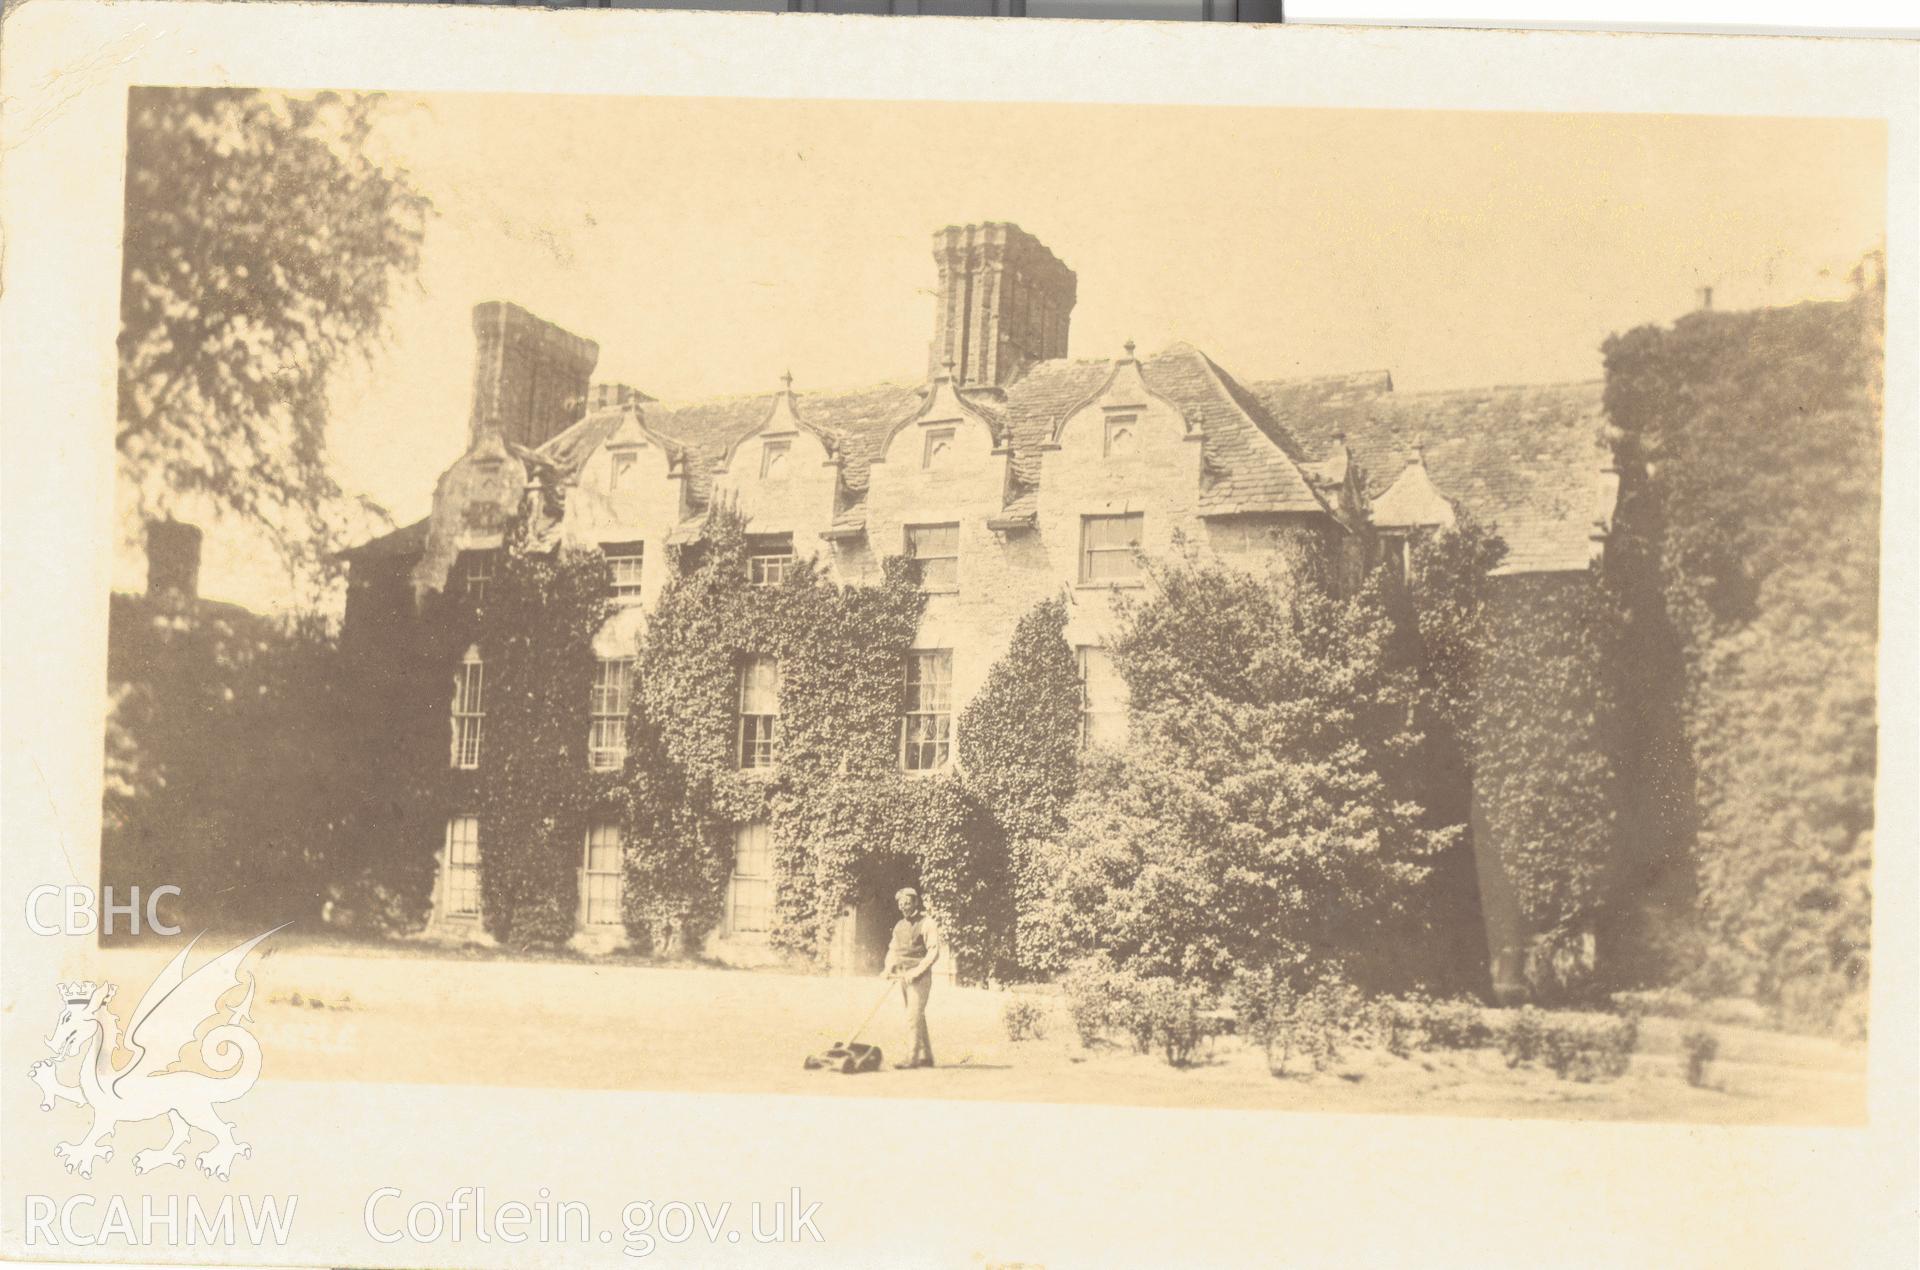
<point>1025,1019</point>
<point>1128,1010</point>
<point>1701,1047</point>
<point>1520,1040</point>
<point>1175,1016</point>
<point>1085,983</point>
<point>1459,1024</point>
<point>1156,1012</point>
<point>1326,1019</point>
<point>1669,1003</point>
<point>1397,1025</point>
<point>1581,1047</point>
<point>1263,1003</point>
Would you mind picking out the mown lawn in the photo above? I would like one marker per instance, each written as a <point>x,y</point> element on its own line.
<point>330,1012</point>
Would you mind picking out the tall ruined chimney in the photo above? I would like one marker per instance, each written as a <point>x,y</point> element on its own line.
<point>1004,303</point>
<point>531,377</point>
<point>173,563</point>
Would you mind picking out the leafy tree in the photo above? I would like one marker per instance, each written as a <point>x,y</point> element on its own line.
<point>1259,813</point>
<point>262,246</point>
<point>1750,450</point>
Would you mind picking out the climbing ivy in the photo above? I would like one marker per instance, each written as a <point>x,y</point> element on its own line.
<point>539,796</point>
<point>836,800</point>
<point>1020,748</point>
<point>398,662</point>
<point>1750,454</point>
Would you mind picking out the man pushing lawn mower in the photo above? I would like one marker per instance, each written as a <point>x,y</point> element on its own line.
<point>910,956</point>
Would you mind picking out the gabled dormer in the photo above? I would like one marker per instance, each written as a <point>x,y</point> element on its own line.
<point>783,474</point>
<point>1119,413</point>
<point>1412,506</point>
<point>937,477</point>
<point>635,476</point>
<point>947,434</point>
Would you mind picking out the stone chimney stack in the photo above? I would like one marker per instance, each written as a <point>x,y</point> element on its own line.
<point>1004,303</point>
<point>530,378</point>
<point>173,563</point>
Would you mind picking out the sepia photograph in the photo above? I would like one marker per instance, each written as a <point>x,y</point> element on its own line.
<point>623,608</point>
<point>663,560</point>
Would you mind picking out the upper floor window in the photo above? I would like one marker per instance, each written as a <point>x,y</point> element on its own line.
<point>939,448</point>
<point>926,728</point>
<point>773,459</point>
<point>759,711</point>
<point>460,874</point>
<point>1107,544</point>
<point>769,557</point>
<point>750,890</point>
<point>1396,553</point>
<point>935,552</point>
<point>1120,435</point>
<point>607,710</point>
<point>625,561</point>
<point>1103,698</point>
<point>469,709</point>
<point>625,471</point>
<point>602,876</point>
<point>476,571</point>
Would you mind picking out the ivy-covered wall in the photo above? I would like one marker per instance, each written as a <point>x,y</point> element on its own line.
<point>1510,685</point>
<point>1750,450</point>
<point>537,794</point>
<point>1020,750</point>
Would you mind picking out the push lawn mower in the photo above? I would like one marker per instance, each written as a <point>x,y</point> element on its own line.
<point>849,1057</point>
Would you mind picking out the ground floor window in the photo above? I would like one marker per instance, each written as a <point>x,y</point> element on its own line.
<point>460,876</point>
<point>750,892</point>
<point>601,877</point>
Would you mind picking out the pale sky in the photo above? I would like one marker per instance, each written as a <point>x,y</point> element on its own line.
<point>708,245</point>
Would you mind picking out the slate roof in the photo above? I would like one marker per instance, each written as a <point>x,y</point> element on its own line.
<point>408,541</point>
<point>1526,459</point>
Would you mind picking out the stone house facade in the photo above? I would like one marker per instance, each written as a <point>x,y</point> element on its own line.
<point>1011,472</point>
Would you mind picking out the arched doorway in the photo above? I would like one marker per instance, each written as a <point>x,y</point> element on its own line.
<point>866,925</point>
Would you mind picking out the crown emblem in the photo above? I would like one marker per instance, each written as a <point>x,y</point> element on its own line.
<point>78,991</point>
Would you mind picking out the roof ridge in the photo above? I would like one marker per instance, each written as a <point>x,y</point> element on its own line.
<point>735,398</point>
<point>1487,388</point>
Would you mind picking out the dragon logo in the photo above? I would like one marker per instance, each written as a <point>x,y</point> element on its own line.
<point>151,1083</point>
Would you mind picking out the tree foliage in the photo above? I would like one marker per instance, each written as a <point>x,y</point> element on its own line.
<point>1750,451</point>
<point>224,772</point>
<point>1260,812</point>
<point>1547,762</point>
<point>262,248</point>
